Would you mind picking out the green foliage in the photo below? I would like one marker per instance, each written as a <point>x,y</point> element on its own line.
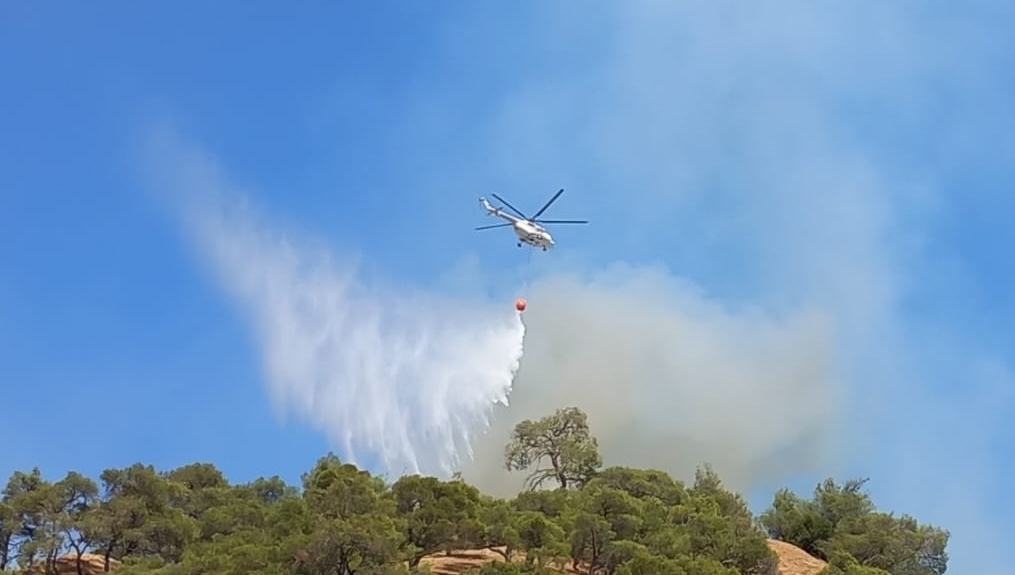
<point>840,524</point>
<point>342,520</point>
<point>562,440</point>
<point>504,568</point>
<point>437,515</point>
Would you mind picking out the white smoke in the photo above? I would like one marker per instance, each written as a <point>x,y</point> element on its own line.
<point>671,379</point>
<point>407,377</point>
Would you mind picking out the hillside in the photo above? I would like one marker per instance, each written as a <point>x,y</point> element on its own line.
<point>792,560</point>
<point>342,520</point>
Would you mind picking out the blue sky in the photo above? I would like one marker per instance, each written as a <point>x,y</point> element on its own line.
<point>849,158</point>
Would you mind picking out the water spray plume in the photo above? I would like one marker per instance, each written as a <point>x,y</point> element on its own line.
<point>401,376</point>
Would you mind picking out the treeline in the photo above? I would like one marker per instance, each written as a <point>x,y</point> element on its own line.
<point>574,514</point>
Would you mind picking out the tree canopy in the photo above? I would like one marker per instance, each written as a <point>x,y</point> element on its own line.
<point>563,441</point>
<point>343,520</point>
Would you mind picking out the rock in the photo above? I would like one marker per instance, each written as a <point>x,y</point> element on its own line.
<point>91,564</point>
<point>794,560</point>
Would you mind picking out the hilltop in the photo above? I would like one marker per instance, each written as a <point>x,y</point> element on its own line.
<point>791,560</point>
<point>574,516</point>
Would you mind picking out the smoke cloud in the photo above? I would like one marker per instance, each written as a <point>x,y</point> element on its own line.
<point>395,374</point>
<point>772,157</point>
<point>669,379</point>
<point>817,157</point>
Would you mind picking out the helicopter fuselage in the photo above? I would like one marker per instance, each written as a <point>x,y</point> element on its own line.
<point>533,234</point>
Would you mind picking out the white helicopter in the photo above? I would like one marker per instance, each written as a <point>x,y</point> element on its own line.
<point>527,229</point>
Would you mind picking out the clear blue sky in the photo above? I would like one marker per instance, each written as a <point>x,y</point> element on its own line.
<point>856,157</point>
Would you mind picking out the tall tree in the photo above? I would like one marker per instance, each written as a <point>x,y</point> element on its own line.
<point>500,532</point>
<point>8,529</point>
<point>561,440</point>
<point>840,524</point>
<point>25,494</point>
<point>353,525</point>
<point>137,515</point>
<point>345,521</point>
<point>436,513</point>
<point>75,494</point>
<point>809,524</point>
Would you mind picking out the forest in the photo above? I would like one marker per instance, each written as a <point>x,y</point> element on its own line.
<point>574,515</point>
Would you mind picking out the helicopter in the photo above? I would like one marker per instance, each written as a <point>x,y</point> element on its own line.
<point>529,230</point>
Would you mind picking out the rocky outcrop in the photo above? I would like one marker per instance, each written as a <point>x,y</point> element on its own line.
<point>91,564</point>
<point>794,560</point>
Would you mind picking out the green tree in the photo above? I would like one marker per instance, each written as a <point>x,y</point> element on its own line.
<point>505,568</point>
<point>543,540</point>
<point>643,484</point>
<point>550,503</point>
<point>437,515</point>
<point>846,564</point>
<point>561,440</point>
<point>725,529</point>
<point>199,486</point>
<point>353,525</point>
<point>646,564</point>
<point>841,525</point>
<point>74,496</point>
<point>137,516</point>
<point>22,496</point>
<point>500,526</point>
<point>809,524</point>
<point>899,545</point>
<point>9,527</point>
<point>797,521</point>
<point>341,520</point>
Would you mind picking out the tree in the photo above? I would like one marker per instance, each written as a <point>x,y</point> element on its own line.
<point>342,520</point>
<point>499,526</point>
<point>75,495</point>
<point>846,564</point>
<point>603,519</point>
<point>504,568</point>
<point>438,515</point>
<point>141,513</point>
<point>563,440</point>
<point>353,525</point>
<point>809,524</point>
<point>797,521</point>
<point>841,525</point>
<point>898,545</point>
<point>543,539</point>
<point>8,529</point>
<point>644,484</point>
<point>22,497</point>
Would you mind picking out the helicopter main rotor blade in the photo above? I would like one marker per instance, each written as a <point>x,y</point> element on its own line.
<point>553,199</point>
<point>561,221</point>
<point>491,226</point>
<point>512,208</point>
